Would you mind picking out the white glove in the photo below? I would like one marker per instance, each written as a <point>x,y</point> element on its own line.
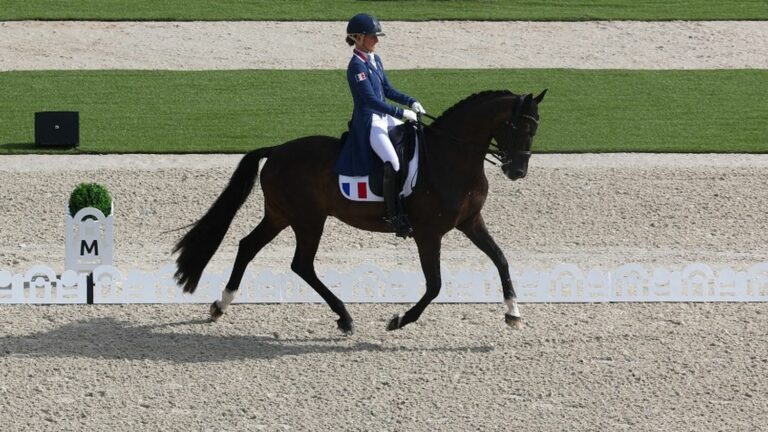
<point>418,108</point>
<point>409,115</point>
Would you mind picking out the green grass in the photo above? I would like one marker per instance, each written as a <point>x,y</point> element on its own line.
<point>236,111</point>
<point>411,10</point>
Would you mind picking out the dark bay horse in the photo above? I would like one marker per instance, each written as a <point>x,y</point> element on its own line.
<point>301,190</point>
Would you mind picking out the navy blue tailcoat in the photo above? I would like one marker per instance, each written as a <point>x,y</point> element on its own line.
<point>370,88</point>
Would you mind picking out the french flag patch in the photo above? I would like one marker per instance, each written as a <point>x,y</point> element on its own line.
<point>357,189</point>
<point>360,77</point>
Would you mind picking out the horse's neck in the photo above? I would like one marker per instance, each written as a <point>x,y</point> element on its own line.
<point>455,153</point>
<point>474,124</point>
<point>454,158</point>
<point>468,132</point>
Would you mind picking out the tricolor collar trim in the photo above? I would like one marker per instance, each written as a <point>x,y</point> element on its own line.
<point>361,55</point>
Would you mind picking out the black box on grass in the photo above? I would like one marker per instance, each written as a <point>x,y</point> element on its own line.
<point>57,128</point>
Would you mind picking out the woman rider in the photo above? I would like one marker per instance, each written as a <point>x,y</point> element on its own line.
<point>372,116</point>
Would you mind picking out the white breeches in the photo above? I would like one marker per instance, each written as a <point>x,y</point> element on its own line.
<point>380,126</point>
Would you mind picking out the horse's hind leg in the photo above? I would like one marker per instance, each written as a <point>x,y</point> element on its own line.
<point>249,246</point>
<point>429,255</point>
<point>307,241</point>
<point>476,231</point>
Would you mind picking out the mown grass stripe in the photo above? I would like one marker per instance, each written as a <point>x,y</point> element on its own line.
<point>409,10</point>
<point>236,111</point>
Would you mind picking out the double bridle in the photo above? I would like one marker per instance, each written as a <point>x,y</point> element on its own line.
<point>499,154</point>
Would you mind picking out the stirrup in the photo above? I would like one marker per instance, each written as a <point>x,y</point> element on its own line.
<point>401,225</point>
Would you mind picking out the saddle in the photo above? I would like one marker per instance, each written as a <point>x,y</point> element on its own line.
<point>371,187</point>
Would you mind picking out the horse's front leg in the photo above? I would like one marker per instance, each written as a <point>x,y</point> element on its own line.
<point>429,255</point>
<point>476,231</point>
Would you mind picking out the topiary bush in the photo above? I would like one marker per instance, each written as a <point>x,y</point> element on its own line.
<point>90,195</point>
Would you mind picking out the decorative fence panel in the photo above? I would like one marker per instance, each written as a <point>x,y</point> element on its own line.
<point>564,283</point>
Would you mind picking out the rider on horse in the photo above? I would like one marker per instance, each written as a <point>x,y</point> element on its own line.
<point>372,116</point>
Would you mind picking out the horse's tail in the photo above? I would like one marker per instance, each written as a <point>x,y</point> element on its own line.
<point>199,244</point>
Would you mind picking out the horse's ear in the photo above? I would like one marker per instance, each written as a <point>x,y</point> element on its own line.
<point>527,99</point>
<point>540,97</point>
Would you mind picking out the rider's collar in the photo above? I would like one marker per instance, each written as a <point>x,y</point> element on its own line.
<point>360,54</point>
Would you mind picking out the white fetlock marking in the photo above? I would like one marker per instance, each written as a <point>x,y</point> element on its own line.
<point>512,307</point>
<point>226,299</point>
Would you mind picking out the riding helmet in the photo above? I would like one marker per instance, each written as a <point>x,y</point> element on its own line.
<point>364,24</point>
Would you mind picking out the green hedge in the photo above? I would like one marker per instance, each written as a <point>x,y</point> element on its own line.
<point>90,195</point>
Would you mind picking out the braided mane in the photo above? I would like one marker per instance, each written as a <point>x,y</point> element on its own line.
<point>469,100</point>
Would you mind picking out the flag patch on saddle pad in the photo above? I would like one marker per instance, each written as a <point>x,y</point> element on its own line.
<point>357,189</point>
<point>360,77</point>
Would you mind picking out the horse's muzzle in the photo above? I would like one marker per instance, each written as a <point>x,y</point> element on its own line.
<point>516,168</point>
<point>515,173</point>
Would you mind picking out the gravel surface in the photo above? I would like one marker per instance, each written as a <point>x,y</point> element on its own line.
<point>597,367</point>
<point>676,367</point>
<point>407,45</point>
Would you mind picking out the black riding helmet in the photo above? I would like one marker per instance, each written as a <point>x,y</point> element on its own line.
<point>364,24</point>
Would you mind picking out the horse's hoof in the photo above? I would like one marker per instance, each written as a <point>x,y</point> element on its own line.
<point>513,321</point>
<point>216,311</point>
<point>345,326</point>
<point>394,323</point>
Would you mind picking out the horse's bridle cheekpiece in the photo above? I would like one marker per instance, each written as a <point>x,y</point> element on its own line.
<point>506,157</point>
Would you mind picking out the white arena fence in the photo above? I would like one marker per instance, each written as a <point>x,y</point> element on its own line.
<point>564,283</point>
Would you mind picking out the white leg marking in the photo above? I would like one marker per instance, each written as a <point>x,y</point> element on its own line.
<point>512,306</point>
<point>226,299</point>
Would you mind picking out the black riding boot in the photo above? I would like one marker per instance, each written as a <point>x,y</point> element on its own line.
<point>395,216</point>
